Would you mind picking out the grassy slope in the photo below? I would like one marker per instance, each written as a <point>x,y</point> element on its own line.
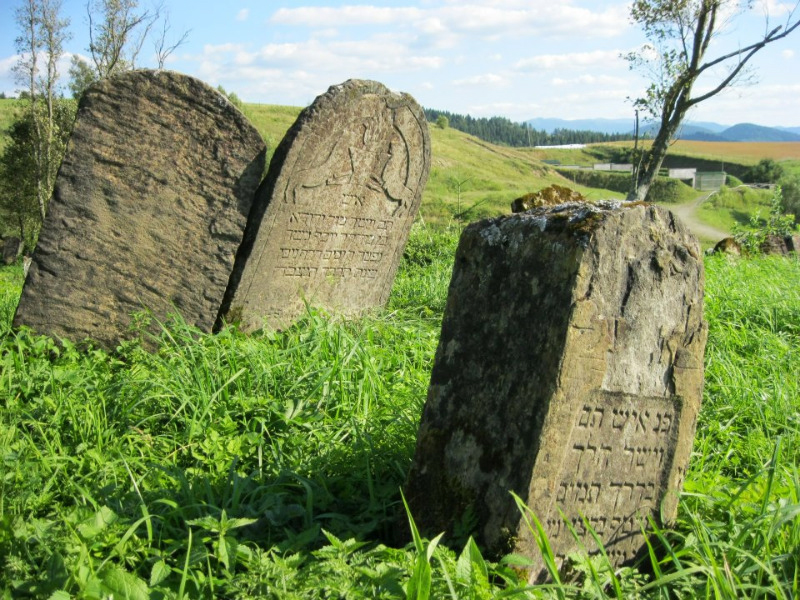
<point>735,206</point>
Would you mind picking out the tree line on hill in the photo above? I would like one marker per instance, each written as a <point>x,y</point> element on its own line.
<point>500,130</point>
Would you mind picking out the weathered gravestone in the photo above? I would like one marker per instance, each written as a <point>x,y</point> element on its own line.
<point>569,371</point>
<point>340,196</point>
<point>149,208</point>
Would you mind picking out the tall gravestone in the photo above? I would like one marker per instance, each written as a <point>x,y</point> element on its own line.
<point>149,208</point>
<point>334,212</point>
<point>569,371</point>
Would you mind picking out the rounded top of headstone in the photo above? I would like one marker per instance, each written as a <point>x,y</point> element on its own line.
<point>184,87</point>
<point>365,86</point>
<point>362,97</point>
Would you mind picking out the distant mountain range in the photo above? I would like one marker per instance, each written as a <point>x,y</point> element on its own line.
<point>691,130</point>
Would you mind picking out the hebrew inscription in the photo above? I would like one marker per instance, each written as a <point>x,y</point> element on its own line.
<point>569,371</point>
<point>618,456</point>
<point>340,197</point>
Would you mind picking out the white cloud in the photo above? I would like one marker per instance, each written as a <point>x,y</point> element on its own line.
<point>591,80</point>
<point>775,8</point>
<point>7,76</point>
<point>597,58</point>
<point>489,79</point>
<point>491,20</point>
<point>788,54</point>
<point>243,14</point>
<point>6,64</point>
<point>305,64</point>
<point>323,16</point>
<point>774,104</point>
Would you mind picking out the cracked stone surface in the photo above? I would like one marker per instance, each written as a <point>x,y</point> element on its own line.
<point>569,371</point>
<point>149,208</point>
<point>333,214</point>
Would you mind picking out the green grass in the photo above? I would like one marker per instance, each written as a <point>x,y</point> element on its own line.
<point>8,111</point>
<point>471,179</point>
<point>732,206</point>
<point>272,122</point>
<point>269,466</point>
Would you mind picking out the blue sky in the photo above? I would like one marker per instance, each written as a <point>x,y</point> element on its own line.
<point>512,58</point>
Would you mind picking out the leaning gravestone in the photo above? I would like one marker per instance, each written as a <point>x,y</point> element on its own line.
<point>569,371</point>
<point>149,208</point>
<point>334,212</point>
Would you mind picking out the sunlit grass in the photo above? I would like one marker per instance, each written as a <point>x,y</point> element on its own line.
<point>270,466</point>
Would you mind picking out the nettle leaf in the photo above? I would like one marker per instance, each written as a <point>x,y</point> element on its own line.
<point>159,573</point>
<point>122,584</point>
<point>226,550</point>
<point>471,564</point>
<point>237,523</point>
<point>97,523</point>
<point>207,522</point>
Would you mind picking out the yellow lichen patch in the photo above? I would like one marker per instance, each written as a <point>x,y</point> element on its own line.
<point>549,196</point>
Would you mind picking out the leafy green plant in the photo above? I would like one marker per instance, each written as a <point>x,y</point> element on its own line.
<point>778,223</point>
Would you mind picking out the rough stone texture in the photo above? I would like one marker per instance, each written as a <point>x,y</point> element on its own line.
<point>776,244</point>
<point>569,371</point>
<point>341,194</point>
<point>12,248</point>
<point>727,245</point>
<point>149,208</point>
<point>549,196</point>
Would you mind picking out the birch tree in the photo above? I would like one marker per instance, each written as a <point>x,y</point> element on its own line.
<point>680,34</point>
<point>40,45</point>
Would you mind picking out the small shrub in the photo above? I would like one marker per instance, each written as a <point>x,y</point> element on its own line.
<point>732,180</point>
<point>778,224</point>
<point>766,171</point>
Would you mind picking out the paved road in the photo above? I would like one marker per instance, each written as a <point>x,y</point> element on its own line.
<point>688,214</point>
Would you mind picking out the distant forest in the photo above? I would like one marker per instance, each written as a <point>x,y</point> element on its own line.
<point>499,130</point>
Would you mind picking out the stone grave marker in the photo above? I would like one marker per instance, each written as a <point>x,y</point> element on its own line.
<point>569,371</point>
<point>149,208</point>
<point>333,215</point>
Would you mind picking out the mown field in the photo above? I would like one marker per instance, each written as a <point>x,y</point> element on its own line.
<point>748,153</point>
<point>270,466</point>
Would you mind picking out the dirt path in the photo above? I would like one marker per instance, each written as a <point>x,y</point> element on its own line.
<point>688,214</point>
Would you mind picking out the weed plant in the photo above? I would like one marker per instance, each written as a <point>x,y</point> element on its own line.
<point>270,466</point>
